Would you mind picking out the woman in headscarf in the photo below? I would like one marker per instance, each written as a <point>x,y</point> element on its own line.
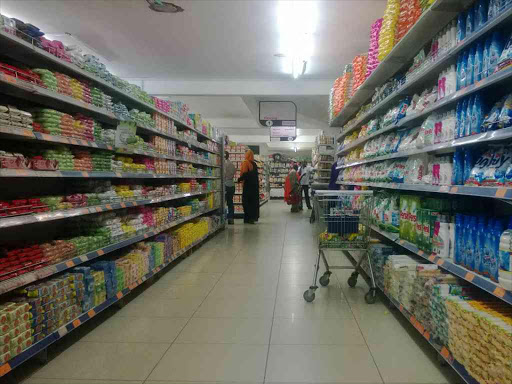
<point>292,192</point>
<point>251,190</point>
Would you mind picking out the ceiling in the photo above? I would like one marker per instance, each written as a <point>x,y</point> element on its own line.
<point>227,44</point>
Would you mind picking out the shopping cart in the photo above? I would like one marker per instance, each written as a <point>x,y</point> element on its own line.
<point>343,223</point>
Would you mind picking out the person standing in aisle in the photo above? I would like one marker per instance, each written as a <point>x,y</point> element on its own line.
<point>229,174</point>
<point>305,178</point>
<point>334,177</point>
<point>292,194</point>
<point>251,188</point>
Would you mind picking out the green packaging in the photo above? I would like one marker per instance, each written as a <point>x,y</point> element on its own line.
<point>419,228</point>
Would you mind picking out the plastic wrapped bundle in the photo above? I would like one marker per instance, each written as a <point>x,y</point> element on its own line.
<point>373,51</point>
<point>47,78</point>
<point>358,72</point>
<point>387,32</point>
<point>410,12</point>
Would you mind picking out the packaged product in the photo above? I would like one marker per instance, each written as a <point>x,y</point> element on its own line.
<point>505,119</point>
<point>491,167</point>
<point>495,51</point>
<point>426,133</point>
<point>505,60</point>
<point>491,120</point>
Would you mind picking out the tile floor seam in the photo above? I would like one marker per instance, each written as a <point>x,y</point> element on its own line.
<point>275,303</point>
<point>190,318</point>
<point>360,330</point>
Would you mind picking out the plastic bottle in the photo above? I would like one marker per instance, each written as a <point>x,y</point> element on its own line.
<point>506,248</point>
<point>481,14</point>
<point>470,21</point>
<point>494,262</point>
<point>461,27</point>
<point>485,60</point>
<point>484,266</point>
<point>495,51</point>
<point>470,67</point>
<point>480,243</point>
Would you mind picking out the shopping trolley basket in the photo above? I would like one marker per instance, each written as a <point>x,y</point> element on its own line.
<point>343,223</point>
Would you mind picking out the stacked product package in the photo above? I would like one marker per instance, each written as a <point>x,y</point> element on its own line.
<point>358,72</point>
<point>373,51</point>
<point>410,12</point>
<point>387,32</point>
<point>341,90</point>
<point>15,329</point>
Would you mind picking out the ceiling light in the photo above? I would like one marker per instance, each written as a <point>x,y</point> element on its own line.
<point>297,23</point>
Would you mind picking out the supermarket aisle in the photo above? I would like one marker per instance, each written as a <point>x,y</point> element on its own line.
<point>233,312</point>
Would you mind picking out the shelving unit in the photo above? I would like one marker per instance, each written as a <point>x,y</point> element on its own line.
<point>182,152</point>
<point>358,157</point>
<point>323,158</point>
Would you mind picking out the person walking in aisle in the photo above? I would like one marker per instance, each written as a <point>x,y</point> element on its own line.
<point>229,174</point>
<point>292,194</point>
<point>251,188</point>
<point>305,178</point>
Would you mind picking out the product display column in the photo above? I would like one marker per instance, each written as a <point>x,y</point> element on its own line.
<point>105,187</point>
<point>433,142</point>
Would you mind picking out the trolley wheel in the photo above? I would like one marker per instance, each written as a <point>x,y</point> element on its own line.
<point>309,295</point>
<point>324,279</point>
<point>370,297</point>
<point>352,280</point>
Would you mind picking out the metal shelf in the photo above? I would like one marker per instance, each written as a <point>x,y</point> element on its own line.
<point>93,174</point>
<point>457,270</point>
<point>427,26</point>
<point>30,54</point>
<point>75,323</point>
<point>30,277</point>
<point>15,221</point>
<point>492,192</point>
<point>18,88</point>
<point>502,134</point>
<point>445,103</point>
<point>416,82</point>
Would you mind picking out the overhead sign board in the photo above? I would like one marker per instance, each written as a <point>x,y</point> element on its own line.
<point>278,113</point>
<point>276,131</point>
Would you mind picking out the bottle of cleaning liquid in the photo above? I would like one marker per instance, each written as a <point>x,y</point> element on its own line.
<point>461,27</point>
<point>485,60</point>
<point>480,244</point>
<point>484,266</point>
<point>495,51</point>
<point>506,248</point>
<point>478,63</point>
<point>470,243</point>
<point>494,262</point>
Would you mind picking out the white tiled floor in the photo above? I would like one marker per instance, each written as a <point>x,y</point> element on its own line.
<point>233,312</point>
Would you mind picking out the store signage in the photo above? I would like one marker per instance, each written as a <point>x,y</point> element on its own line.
<point>278,113</point>
<point>276,131</point>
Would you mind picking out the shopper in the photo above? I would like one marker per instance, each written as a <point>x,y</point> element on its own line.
<point>251,188</point>
<point>292,194</point>
<point>334,177</point>
<point>229,174</point>
<point>305,179</point>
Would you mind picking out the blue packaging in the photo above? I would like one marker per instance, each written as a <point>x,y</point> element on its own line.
<point>479,244</point>
<point>458,167</point>
<point>505,119</point>
<point>485,64</point>
<point>458,119</point>
<point>458,237</point>
<point>459,61</point>
<point>470,243</point>
<point>470,66</point>
<point>495,51</point>
<point>491,120</point>
<point>466,231</point>
<point>477,117</point>
<point>505,254</point>
<point>469,112</point>
<point>478,62</point>
<point>462,118</point>
<point>481,14</point>
<point>491,12</point>
<point>469,160</point>
<point>470,21</point>
<point>494,260</point>
<point>488,236</point>
<point>404,104</point>
<point>463,68</point>
<point>461,27</point>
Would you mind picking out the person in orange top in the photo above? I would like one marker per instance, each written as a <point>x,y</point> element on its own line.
<point>292,189</point>
<point>251,188</point>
